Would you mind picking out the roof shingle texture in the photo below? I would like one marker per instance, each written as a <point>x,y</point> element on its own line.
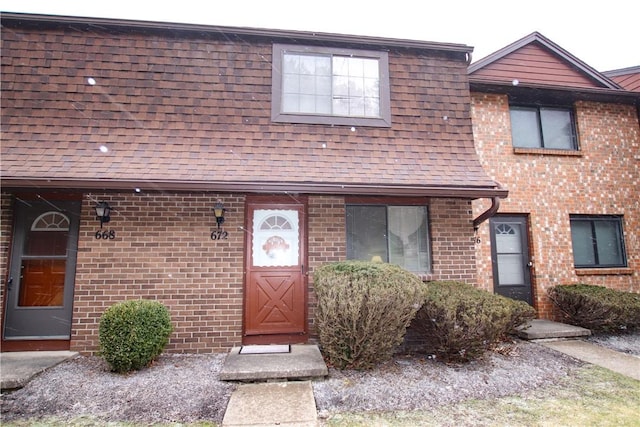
<point>176,107</point>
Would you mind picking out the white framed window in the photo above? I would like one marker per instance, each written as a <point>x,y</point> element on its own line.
<point>330,86</point>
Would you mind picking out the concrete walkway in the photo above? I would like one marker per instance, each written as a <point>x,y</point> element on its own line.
<point>17,368</point>
<point>615,361</point>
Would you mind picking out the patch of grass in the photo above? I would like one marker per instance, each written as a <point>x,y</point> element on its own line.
<point>591,396</point>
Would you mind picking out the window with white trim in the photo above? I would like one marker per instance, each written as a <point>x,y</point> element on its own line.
<point>313,84</point>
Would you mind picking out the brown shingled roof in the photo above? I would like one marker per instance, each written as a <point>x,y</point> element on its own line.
<point>192,111</point>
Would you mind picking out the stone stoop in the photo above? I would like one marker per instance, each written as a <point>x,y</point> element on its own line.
<point>540,329</point>
<point>304,361</point>
<point>288,403</point>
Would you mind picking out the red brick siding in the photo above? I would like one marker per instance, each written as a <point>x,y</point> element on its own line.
<point>452,243</point>
<point>6,224</point>
<point>163,251</point>
<point>603,179</point>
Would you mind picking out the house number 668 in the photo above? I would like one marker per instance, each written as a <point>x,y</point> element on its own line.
<point>106,235</point>
<point>219,235</point>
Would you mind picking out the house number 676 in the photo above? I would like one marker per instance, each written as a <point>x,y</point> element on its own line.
<point>219,235</point>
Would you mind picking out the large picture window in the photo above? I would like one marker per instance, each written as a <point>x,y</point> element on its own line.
<point>395,234</point>
<point>597,241</point>
<point>333,86</point>
<point>543,127</point>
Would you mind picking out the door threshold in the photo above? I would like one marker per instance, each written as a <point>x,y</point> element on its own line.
<point>265,349</point>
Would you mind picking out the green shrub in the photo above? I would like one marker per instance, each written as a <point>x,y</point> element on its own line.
<point>133,333</point>
<point>596,307</point>
<point>459,322</point>
<point>363,311</point>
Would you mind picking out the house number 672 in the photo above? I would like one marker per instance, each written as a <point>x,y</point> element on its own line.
<point>219,235</point>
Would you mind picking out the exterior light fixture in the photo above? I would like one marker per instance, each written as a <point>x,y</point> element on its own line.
<point>218,212</point>
<point>103,212</point>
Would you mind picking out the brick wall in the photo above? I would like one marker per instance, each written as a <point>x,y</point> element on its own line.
<point>6,223</point>
<point>602,179</point>
<point>163,251</point>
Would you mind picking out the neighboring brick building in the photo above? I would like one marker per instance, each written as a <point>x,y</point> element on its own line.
<point>312,147</point>
<point>565,141</point>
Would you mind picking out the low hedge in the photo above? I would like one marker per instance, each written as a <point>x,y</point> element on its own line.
<point>459,322</point>
<point>363,311</point>
<point>596,307</point>
<point>133,333</point>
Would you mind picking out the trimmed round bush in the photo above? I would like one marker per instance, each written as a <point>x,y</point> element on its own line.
<point>133,333</point>
<point>363,311</point>
<point>459,322</point>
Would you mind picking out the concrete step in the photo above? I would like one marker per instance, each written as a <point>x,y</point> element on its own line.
<point>269,404</point>
<point>539,329</point>
<point>303,362</point>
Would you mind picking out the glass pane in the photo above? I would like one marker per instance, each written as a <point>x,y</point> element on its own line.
<point>341,87</point>
<point>367,232</point>
<point>290,103</point>
<point>408,240</point>
<point>291,63</point>
<point>356,106</point>
<point>557,131</point>
<point>609,240</point>
<point>46,243</point>
<point>372,107</point>
<point>508,239</point>
<point>308,85</point>
<point>275,240</point>
<point>524,127</point>
<point>340,66</point>
<point>582,242</point>
<point>510,269</point>
<point>307,104</point>
<point>370,68</point>
<point>291,83</point>
<point>341,106</point>
<point>307,65</point>
<point>356,87</point>
<point>323,85</point>
<point>42,283</point>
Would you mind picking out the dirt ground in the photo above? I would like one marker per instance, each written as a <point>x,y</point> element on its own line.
<point>185,388</point>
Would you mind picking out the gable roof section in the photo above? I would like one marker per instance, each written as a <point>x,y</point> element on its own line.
<point>536,60</point>
<point>628,78</point>
<point>188,108</point>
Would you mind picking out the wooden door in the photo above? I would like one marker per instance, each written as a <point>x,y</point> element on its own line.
<point>275,308</point>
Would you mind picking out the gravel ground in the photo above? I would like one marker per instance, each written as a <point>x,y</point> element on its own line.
<point>185,388</point>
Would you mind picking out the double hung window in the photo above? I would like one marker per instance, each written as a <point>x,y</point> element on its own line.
<point>597,241</point>
<point>332,86</point>
<point>395,234</point>
<point>543,127</point>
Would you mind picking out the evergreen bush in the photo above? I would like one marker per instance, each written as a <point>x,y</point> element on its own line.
<point>363,311</point>
<point>133,333</point>
<point>596,307</point>
<point>459,322</point>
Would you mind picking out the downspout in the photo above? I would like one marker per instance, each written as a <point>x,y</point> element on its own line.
<point>495,205</point>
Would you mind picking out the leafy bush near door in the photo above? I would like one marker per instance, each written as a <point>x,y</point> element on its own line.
<point>133,333</point>
<point>459,322</point>
<point>596,307</point>
<point>363,311</point>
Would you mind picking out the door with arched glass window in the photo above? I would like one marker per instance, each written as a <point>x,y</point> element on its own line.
<point>510,257</point>
<point>275,308</point>
<point>39,290</point>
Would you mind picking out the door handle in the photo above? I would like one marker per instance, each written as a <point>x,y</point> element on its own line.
<point>10,283</point>
<point>530,264</point>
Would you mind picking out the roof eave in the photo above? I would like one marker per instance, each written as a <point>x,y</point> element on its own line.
<point>306,36</point>
<point>465,192</point>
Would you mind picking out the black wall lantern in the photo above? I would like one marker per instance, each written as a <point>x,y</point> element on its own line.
<point>103,212</point>
<point>218,212</point>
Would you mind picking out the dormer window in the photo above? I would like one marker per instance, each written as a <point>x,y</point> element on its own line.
<point>330,86</point>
